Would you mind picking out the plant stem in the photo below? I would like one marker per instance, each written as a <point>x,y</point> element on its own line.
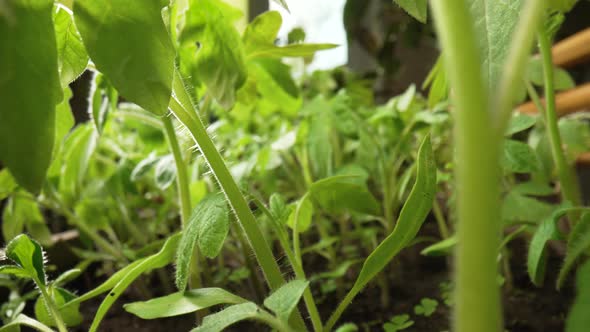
<point>440,219</point>
<point>477,296</point>
<point>569,188</point>
<point>52,307</point>
<point>182,108</point>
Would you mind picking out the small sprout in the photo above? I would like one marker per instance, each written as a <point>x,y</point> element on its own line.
<point>426,307</point>
<point>398,323</point>
<point>446,290</point>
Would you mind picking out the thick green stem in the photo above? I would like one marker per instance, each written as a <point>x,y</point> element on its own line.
<point>569,187</point>
<point>184,194</point>
<point>477,296</point>
<point>182,108</point>
<point>52,307</point>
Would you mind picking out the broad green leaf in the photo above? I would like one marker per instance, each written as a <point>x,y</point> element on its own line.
<point>537,255</point>
<point>274,82</point>
<point>155,261</point>
<point>519,157</point>
<point>207,227</point>
<point>71,314</point>
<point>165,172</point>
<point>340,193</point>
<point>220,321</point>
<point>181,303</point>
<point>577,244</point>
<point>417,8</point>
<point>517,207</point>
<point>575,135</point>
<point>28,255</point>
<point>410,220</point>
<point>578,319</point>
<point>260,35</point>
<point>319,137</point>
<point>301,214</point>
<point>285,299</point>
<point>561,78</point>
<point>24,320</point>
<point>129,43</point>
<point>29,89</point>
<point>520,122</point>
<point>278,208</point>
<point>77,150</point>
<point>495,22</point>
<point>219,54</point>
<point>71,54</point>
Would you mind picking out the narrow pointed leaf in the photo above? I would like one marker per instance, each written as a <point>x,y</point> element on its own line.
<point>129,43</point>
<point>577,244</point>
<point>24,320</point>
<point>181,303</point>
<point>29,89</point>
<point>411,217</point>
<point>158,260</point>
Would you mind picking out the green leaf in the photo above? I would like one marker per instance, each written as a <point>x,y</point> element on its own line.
<point>144,166</point>
<point>219,54</point>
<point>156,261</point>
<point>165,172</point>
<point>575,135</point>
<point>537,255</point>
<point>28,255</point>
<point>520,122</point>
<point>18,213</point>
<point>181,303</point>
<point>25,320</point>
<point>71,314</point>
<point>71,54</point>
<point>301,215</point>
<point>319,137</point>
<point>519,208</point>
<point>260,35</point>
<point>129,43</point>
<point>78,148</point>
<point>410,220</point>
<point>561,78</point>
<point>66,277</point>
<point>7,184</point>
<point>440,248</point>
<point>14,270</point>
<point>274,82</point>
<point>577,244</point>
<point>417,8</point>
<point>208,227</point>
<point>426,307</point>
<point>340,193</point>
<point>495,22</point>
<point>285,299</point>
<point>519,157</point>
<point>29,90</point>
<point>578,319</point>
<point>533,189</point>
<point>219,321</point>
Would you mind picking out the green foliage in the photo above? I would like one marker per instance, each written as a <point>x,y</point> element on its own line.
<point>29,90</point>
<point>181,303</point>
<point>139,64</point>
<point>398,323</point>
<point>71,54</point>
<point>208,226</point>
<point>285,299</point>
<point>417,8</point>
<point>519,158</point>
<point>343,192</point>
<point>28,256</point>
<point>578,319</point>
<point>219,60</point>
<point>219,321</point>
<point>577,244</point>
<point>71,314</point>
<point>426,307</point>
